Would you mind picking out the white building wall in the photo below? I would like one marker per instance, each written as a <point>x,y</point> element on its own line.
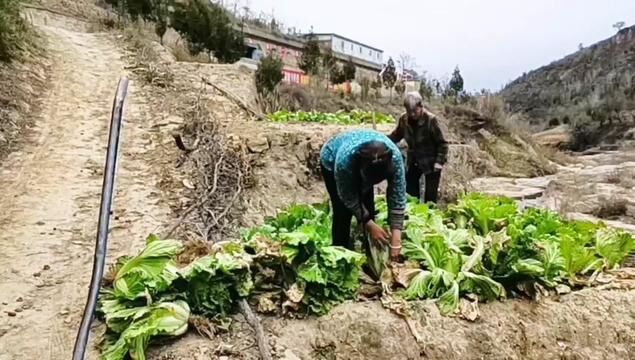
<point>350,48</point>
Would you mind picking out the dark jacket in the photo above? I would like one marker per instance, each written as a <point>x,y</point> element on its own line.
<point>426,144</point>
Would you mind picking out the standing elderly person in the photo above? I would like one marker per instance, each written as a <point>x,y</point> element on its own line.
<point>427,148</point>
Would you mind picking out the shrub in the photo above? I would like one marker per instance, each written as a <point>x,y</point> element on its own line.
<point>425,89</point>
<point>400,88</point>
<point>366,85</point>
<point>207,27</point>
<point>12,30</point>
<point>137,9</point>
<point>584,134</point>
<point>269,74</point>
<point>336,74</point>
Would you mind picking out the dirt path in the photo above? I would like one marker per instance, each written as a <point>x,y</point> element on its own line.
<point>50,195</point>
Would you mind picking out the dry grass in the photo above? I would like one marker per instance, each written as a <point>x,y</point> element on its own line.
<point>611,209</point>
<point>21,84</point>
<point>181,53</point>
<point>557,155</point>
<point>194,249</point>
<point>615,176</point>
<point>148,61</point>
<point>85,9</point>
<point>269,102</point>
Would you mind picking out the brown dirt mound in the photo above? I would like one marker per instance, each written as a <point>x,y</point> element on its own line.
<point>573,326</point>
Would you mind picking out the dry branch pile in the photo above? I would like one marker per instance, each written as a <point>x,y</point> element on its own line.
<point>220,173</point>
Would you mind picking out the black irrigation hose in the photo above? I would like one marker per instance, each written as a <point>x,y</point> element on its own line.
<point>104,219</point>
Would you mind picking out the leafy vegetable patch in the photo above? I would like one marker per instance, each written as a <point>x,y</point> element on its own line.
<point>482,247</point>
<point>353,117</point>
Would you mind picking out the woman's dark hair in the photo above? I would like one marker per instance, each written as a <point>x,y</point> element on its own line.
<point>375,161</point>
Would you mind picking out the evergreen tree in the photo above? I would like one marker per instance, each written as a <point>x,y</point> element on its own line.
<point>311,56</point>
<point>389,76</point>
<point>456,82</point>
<point>206,26</point>
<point>349,70</point>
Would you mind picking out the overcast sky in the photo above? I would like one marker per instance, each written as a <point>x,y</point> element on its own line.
<point>492,41</point>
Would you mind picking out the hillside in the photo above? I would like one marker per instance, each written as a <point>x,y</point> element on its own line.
<point>596,83</point>
<point>197,164</point>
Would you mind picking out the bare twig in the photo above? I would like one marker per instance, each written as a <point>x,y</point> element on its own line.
<point>254,322</point>
<point>234,98</point>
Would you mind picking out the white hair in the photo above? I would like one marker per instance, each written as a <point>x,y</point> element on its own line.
<point>412,100</point>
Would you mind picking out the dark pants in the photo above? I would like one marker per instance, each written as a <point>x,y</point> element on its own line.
<point>342,216</point>
<point>432,184</point>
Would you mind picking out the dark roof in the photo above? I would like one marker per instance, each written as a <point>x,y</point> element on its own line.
<point>280,39</point>
<point>344,38</point>
<point>358,62</point>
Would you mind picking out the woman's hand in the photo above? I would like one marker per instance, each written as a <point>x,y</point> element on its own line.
<point>395,245</point>
<point>378,235</point>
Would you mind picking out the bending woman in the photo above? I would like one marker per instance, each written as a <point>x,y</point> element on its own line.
<point>352,163</point>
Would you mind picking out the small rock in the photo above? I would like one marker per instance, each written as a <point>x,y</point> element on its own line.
<point>19,299</point>
<point>18,310</point>
<point>4,330</point>
<point>562,289</point>
<point>486,134</point>
<point>40,223</point>
<point>11,313</point>
<point>46,267</point>
<point>5,303</point>
<point>59,281</point>
<point>26,306</point>
<point>258,145</point>
<point>37,274</point>
<point>188,184</point>
<point>64,312</point>
<point>289,355</point>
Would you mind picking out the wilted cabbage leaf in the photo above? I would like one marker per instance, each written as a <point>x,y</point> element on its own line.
<point>161,319</point>
<point>150,272</point>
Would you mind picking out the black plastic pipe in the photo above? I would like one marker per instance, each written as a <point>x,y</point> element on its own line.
<point>104,219</point>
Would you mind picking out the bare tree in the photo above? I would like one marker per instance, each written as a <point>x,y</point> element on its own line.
<point>406,62</point>
<point>619,25</point>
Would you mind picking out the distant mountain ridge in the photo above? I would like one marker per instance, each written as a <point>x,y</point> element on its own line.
<point>596,83</point>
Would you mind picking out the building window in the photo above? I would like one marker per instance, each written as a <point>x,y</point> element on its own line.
<point>351,47</point>
<point>360,49</point>
<point>342,44</point>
